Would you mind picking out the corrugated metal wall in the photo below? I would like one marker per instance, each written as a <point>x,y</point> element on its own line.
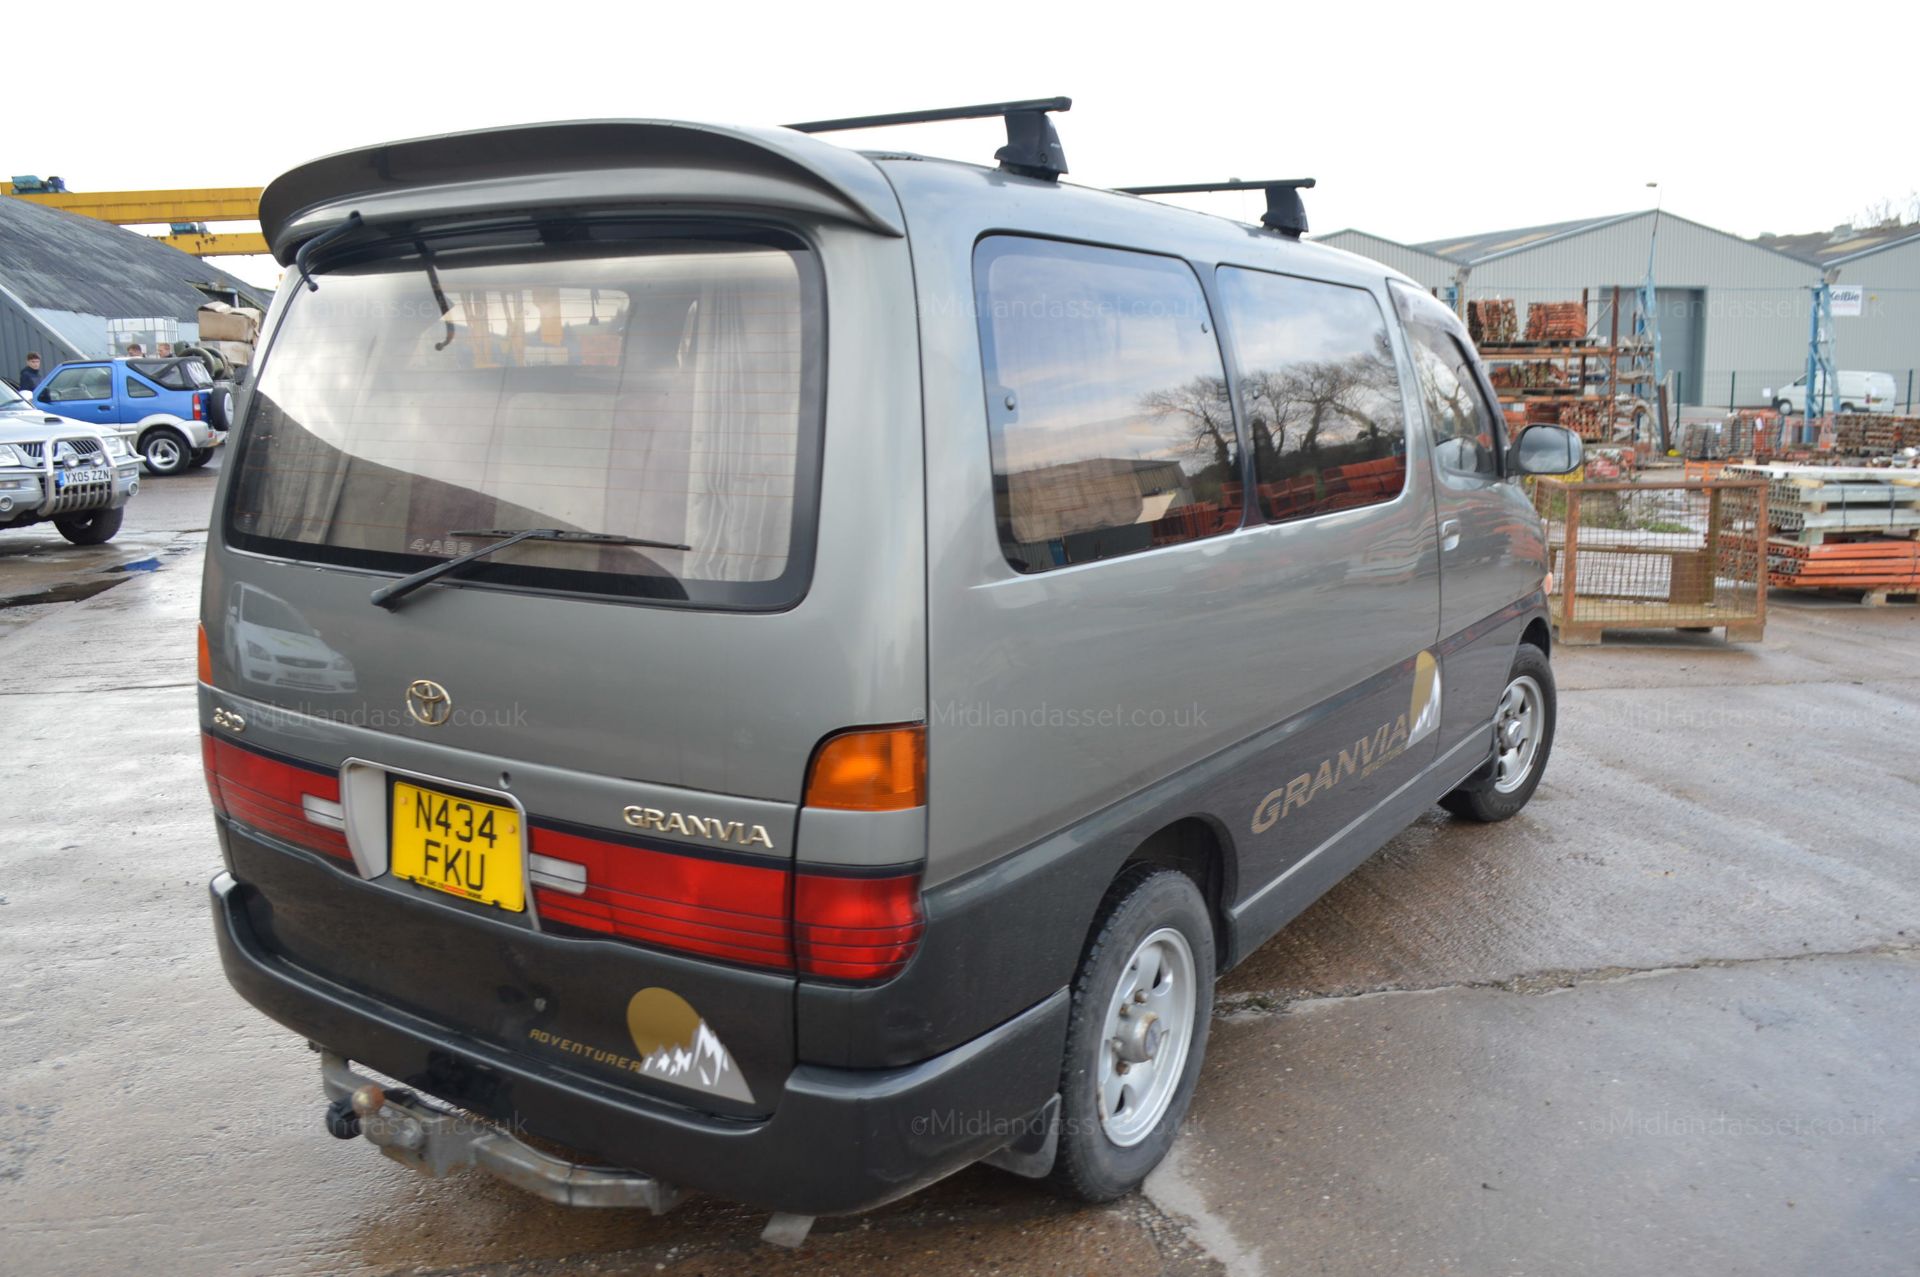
<point>1754,329</point>
<point>1430,271</point>
<point>21,332</point>
<point>1886,338</point>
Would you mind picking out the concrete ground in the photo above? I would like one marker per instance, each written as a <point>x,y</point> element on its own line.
<point>1664,1021</point>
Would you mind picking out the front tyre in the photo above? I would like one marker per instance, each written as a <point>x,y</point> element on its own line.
<point>166,450</point>
<point>96,527</point>
<point>1523,725</point>
<point>1142,1006</point>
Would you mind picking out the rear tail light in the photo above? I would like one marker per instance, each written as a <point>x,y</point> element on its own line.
<point>726,909</point>
<point>205,668</point>
<point>825,926</point>
<point>200,405</point>
<point>859,929</point>
<point>285,800</point>
<point>870,769</point>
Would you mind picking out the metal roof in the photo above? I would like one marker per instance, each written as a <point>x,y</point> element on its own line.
<point>1841,243</point>
<point>56,261</point>
<point>1475,248</point>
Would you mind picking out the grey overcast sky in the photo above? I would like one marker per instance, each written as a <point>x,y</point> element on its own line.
<point>1420,121</point>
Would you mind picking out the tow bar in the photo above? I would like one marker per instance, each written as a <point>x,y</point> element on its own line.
<point>438,1142</point>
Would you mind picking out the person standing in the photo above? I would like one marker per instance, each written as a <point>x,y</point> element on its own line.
<point>136,351</point>
<point>30,375</point>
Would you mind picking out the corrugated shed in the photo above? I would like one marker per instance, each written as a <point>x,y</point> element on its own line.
<point>1886,336</point>
<point>1745,306</point>
<point>63,277</point>
<point>60,261</point>
<point>1429,270</point>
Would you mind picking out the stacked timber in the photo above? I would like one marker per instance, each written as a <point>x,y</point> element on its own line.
<point>1556,321</point>
<point>1527,376</point>
<point>1864,433</point>
<point>1591,419</point>
<point>1493,321</point>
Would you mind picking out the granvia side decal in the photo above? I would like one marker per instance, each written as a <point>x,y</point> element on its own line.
<point>672,1043</point>
<point>1366,755</point>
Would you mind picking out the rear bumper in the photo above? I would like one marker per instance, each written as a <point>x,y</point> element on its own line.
<point>838,1140</point>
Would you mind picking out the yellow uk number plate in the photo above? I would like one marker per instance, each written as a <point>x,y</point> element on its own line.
<point>456,845</point>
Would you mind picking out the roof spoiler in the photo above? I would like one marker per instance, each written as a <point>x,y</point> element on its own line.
<point>567,166</point>
<point>1285,213</point>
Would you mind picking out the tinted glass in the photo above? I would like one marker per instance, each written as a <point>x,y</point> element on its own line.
<point>1106,402</point>
<point>138,389</point>
<point>1321,395</point>
<point>668,390</point>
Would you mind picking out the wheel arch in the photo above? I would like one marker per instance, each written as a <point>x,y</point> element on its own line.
<point>1198,847</point>
<point>150,424</point>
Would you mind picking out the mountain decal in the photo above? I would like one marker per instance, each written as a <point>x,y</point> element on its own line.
<point>678,1046</point>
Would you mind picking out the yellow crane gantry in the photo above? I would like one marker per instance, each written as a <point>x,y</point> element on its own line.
<point>169,208</point>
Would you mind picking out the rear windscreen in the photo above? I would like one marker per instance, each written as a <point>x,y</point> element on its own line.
<point>667,390</point>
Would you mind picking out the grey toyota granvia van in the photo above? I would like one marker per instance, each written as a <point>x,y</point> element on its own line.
<point>784,672</point>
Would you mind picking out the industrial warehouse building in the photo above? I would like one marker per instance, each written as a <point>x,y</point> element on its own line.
<point>75,288</point>
<point>1733,313</point>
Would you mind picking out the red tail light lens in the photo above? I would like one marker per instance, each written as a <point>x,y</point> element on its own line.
<point>269,794</point>
<point>200,405</point>
<point>719,908</point>
<point>762,915</point>
<point>855,928</point>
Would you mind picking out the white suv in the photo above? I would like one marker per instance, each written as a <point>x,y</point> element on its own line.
<point>77,475</point>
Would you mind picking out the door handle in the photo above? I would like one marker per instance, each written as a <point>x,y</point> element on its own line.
<point>1450,534</point>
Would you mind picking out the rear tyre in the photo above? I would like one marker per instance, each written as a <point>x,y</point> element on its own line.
<point>1142,1006</point>
<point>94,528</point>
<point>1522,738</point>
<point>1782,407</point>
<point>165,450</point>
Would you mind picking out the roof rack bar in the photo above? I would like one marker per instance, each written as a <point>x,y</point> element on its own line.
<point>1285,213</point>
<point>1032,150</point>
<point>985,111</point>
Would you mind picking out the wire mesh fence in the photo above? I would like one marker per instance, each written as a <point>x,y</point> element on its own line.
<point>1679,554</point>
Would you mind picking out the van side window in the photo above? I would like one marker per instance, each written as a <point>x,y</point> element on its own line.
<point>1466,431</point>
<point>1318,386</point>
<point>1107,408</point>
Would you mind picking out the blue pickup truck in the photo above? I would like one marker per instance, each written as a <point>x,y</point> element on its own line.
<point>169,410</point>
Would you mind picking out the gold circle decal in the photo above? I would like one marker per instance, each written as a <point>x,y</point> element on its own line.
<point>658,1018</point>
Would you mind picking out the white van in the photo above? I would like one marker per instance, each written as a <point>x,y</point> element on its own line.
<point>1859,392</point>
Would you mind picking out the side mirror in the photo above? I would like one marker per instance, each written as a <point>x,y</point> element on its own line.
<point>1545,449</point>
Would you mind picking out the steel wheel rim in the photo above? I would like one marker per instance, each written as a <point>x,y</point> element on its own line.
<point>163,454</point>
<point>1517,726</point>
<point>1150,1014</point>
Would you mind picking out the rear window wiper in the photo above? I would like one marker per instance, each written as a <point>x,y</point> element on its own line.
<point>389,596</point>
